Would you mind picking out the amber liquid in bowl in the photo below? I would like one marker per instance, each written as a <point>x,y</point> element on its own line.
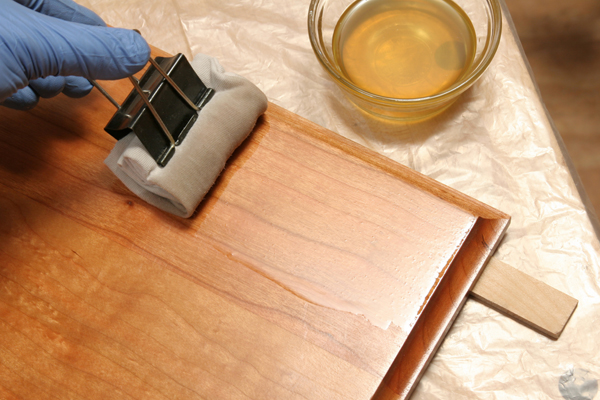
<point>404,48</point>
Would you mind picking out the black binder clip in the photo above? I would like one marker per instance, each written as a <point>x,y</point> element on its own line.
<point>162,106</point>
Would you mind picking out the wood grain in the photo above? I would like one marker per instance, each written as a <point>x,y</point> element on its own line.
<point>524,298</point>
<point>314,269</point>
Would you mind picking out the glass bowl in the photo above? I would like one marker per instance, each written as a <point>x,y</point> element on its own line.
<point>485,17</point>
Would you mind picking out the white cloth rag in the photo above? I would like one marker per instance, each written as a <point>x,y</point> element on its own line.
<point>222,125</point>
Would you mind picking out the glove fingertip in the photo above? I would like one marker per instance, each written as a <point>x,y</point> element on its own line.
<point>23,100</point>
<point>94,52</point>
<point>48,87</point>
<point>77,87</point>
<point>136,50</point>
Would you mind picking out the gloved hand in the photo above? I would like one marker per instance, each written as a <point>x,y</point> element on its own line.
<point>53,46</point>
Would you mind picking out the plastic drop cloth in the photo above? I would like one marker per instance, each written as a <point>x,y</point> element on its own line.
<point>495,144</point>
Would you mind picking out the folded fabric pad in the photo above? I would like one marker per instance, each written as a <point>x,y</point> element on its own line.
<point>222,125</point>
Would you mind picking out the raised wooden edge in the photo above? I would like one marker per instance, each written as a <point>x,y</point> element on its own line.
<point>524,299</point>
<point>453,289</point>
<point>329,138</point>
<point>325,136</point>
<point>423,182</point>
<point>451,293</point>
<point>444,305</point>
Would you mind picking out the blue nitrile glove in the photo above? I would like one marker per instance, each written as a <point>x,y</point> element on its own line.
<point>53,46</point>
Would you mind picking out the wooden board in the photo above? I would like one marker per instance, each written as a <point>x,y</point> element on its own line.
<point>315,268</point>
<point>525,299</point>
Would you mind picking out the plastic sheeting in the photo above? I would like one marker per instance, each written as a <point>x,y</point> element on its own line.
<point>495,144</point>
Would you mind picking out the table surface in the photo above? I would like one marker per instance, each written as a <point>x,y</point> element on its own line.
<point>495,144</point>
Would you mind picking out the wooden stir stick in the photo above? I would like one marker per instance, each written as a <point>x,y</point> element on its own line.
<point>524,298</point>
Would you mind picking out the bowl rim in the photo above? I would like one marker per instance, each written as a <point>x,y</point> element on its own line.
<point>494,33</point>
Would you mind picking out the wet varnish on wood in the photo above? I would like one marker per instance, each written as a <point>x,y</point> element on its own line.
<point>275,289</point>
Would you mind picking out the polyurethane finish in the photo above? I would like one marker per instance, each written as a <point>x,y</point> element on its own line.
<point>103,296</point>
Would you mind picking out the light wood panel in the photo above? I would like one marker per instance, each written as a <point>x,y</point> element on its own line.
<point>314,269</point>
<point>524,298</point>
